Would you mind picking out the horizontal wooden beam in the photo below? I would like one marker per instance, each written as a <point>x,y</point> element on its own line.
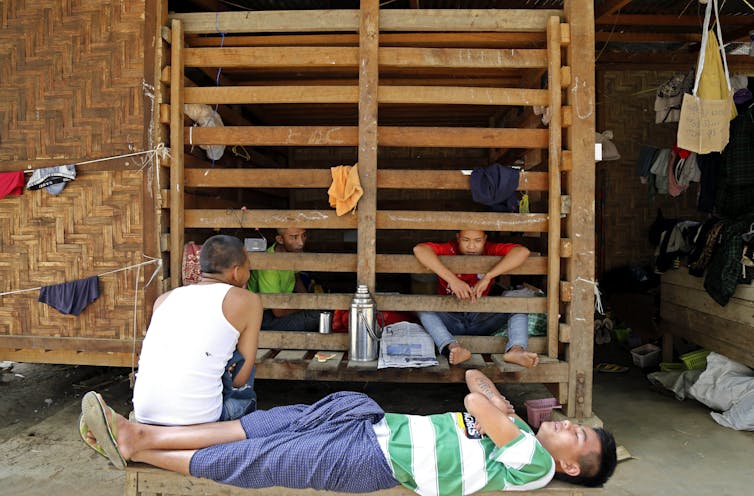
<point>451,221</point>
<point>76,344</point>
<point>386,219</point>
<point>68,357</point>
<point>342,20</point>
<point>387,57</point>
<point>443,95</point>
<point>394,264</point>
<point>451,137</point>
<point>409,303</point>
<point>322,178</point>
<point>288,340</point>
<point>441,40</point>
<point>306,219</point>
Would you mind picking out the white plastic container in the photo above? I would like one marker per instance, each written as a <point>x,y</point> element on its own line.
<point>646,355</point>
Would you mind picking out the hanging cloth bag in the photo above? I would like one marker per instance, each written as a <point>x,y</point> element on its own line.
<point>706,113</point>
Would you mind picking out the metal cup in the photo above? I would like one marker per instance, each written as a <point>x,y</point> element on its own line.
<point>325,322</point>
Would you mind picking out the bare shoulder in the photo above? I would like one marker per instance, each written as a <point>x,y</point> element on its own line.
<point>161,299</point>
<point>242,296</point>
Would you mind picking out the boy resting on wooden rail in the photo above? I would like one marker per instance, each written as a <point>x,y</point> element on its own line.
<point>443,326</point>
<point>346,442</point>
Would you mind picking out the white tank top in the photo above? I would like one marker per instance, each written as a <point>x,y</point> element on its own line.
<point>187,347</point>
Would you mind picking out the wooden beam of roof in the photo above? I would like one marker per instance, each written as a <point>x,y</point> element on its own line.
<point>342,20</point>
<point>668,60</point>
<point>669,20</point>
<point>645,37</point>
<point>610,7</point>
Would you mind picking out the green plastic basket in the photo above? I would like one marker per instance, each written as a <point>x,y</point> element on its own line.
<point>695,360</point>
<point>672,366</point>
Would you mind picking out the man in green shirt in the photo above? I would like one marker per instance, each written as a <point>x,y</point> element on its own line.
<point>346,442</point>
<point>287,240</point>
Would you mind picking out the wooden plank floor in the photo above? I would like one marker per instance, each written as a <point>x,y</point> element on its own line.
<point>303,365</point>
<point>291,355</point>
<point>143,480</point>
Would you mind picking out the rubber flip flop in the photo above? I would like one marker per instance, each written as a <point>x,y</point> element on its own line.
<point>611,367</point>
<point>93,410</point>
<point>83,428</point>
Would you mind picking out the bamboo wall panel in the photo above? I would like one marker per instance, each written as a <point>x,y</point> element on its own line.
<point>94,226</point>
<point>627,209</point>
<point>70,81</point>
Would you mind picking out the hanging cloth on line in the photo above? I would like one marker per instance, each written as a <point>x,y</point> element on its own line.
<point>71,298</point>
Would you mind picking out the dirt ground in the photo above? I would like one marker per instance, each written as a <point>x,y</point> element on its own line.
<point>40,449</point>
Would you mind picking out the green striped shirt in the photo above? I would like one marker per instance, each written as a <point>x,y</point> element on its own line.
<point>445,455</point>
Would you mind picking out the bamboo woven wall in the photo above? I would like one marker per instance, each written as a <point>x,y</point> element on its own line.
<point>71,90</point>
<point>70,80</point>
<point>626,106</point>
<point>94,226</point>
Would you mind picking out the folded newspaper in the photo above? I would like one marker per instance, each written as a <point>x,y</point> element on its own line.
<point>405,344</point>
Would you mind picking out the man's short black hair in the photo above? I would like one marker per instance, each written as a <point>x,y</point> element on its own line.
<point>596,468</point>
<point>221,252</point>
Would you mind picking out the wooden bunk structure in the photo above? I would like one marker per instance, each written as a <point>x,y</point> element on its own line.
<point>373,59</point>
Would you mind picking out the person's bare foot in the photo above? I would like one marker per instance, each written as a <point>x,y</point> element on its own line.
<point>458,354</point>
<point>521,357</point>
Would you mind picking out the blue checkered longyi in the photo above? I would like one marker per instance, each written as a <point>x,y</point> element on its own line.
<point>329,445</point>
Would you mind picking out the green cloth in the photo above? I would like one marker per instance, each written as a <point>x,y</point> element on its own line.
<point>274,281</point>
<point>537,325</point>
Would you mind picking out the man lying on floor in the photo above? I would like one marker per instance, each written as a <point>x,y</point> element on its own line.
<point>345,442</point>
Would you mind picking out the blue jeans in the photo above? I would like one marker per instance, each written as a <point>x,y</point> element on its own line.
<point>442,326</point>
<point>303,320</point>
<point>237,402</point>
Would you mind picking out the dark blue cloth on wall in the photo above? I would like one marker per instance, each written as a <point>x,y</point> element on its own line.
<point>71,298</point>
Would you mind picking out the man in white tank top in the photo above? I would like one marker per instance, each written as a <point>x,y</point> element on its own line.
<point>191,339</point>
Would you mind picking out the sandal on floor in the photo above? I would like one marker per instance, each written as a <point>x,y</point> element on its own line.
<point>611,367</point>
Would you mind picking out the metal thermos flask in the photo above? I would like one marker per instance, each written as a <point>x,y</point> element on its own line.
<point>361,326</point>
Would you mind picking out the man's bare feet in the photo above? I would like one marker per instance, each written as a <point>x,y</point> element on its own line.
<point>458,354</point>
<point>521,357</point>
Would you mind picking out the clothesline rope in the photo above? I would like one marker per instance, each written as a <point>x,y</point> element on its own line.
<point>160,151</point>
<point>136,301</point>
<point>151,261</point>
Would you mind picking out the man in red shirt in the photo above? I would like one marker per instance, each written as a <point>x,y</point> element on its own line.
<point>443,326</point>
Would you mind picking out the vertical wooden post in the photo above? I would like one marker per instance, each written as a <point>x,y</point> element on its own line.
<point>368,81</point>
<point>554,150</point>
<point>156,14</point>
<point>176,152</point>
<point>580,223</point>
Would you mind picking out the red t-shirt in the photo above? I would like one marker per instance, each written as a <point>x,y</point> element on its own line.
<point>451,248</point>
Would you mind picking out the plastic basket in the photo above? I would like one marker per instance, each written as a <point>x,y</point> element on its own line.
<point>538,411</point>
<point>672,366</point>
<point>646,355</point>
<point>695,360</point>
